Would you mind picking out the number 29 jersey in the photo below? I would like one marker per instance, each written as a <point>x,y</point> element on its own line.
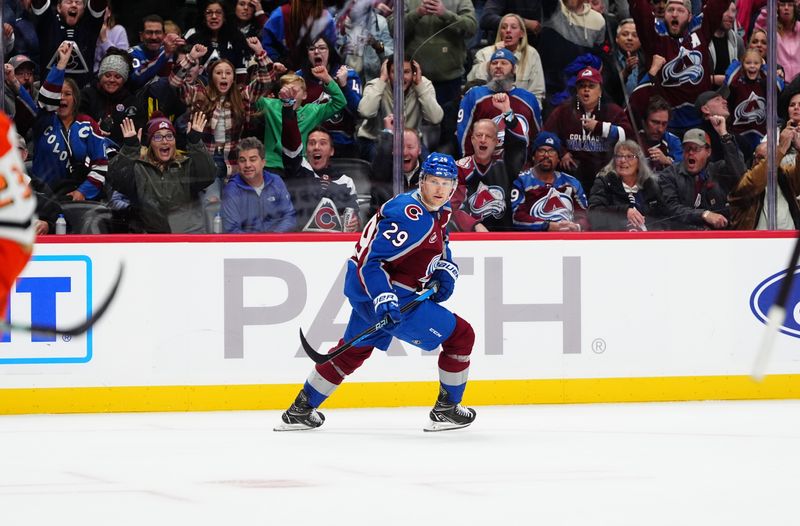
<point>398,249</point>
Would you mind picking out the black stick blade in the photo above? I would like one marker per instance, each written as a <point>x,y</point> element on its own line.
<point>310,351</point>
<point>76,330</point>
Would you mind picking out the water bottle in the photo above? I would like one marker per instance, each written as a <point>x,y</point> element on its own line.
<point>216,226</point>
<point>347,216</point>
<point>61,225</point>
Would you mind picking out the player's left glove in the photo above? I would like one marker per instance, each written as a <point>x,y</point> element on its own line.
<point>446,273</point>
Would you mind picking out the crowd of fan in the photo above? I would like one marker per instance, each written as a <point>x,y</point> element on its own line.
<point>277,116</point>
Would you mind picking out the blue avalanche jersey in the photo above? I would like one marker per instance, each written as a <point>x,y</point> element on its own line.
<point>398,249</point>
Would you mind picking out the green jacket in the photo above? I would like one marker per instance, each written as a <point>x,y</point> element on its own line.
<point>308,117</point>
<point>167,201</point>
<point>442,57</point>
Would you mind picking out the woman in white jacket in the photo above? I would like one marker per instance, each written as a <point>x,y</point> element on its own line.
<point>511,35</point>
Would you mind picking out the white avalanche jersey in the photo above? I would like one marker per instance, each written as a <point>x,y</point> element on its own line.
<point>17,202</point>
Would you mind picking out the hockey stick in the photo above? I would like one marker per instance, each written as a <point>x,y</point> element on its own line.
<point>776,316</point>
<point>76,330</point>
<point>322,358</point>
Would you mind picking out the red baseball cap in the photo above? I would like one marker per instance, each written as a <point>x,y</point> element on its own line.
<point>590,74</point>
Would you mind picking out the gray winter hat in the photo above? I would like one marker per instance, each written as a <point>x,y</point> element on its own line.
<point>116,64</point>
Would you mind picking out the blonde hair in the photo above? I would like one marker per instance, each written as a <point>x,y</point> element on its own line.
<point>751,51</point>
<point>522,47</point>
<point>291,78</point>
<point>171,27</point>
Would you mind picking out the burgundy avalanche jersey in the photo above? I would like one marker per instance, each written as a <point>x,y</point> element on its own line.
<point>591,150</point>
<point>483,195</point>
<point>687,71</point>
<point>747,102</point>
<point>399,247</point>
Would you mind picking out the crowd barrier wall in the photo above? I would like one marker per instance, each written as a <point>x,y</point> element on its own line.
<point>211,322</point>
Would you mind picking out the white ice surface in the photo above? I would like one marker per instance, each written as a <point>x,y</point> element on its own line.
<point>706,463</point>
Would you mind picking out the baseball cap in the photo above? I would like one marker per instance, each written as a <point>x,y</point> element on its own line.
<point>18,60</point>
<point>696,136</point>
<point>590,74</point>
<point>547,139</point>
<point>706,96</point>
<point>504,54</point>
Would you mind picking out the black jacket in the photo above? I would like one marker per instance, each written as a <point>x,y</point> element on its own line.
<point>686,206</point>
<point>307,187</point>
<point>609,204</point>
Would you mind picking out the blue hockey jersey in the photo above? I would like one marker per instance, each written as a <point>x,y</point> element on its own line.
<point>398,249</point>
<point>67,158</point>
<point>477,104</point>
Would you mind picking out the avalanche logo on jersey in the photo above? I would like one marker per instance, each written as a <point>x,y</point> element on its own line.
<point>325,218</point>
<point>487,201</point>
<point>751,110</point>
<point>554,205</point>
<point>686,67</point>
<point>413,212</point>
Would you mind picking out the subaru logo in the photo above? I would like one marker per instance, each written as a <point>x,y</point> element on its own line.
<point>764,296</point>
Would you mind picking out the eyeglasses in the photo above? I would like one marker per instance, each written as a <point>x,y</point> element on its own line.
<point>152,32</point>
<point>693,148</point>
<point>165,137</point>
<point>319,49</point>
<point>546,151</point>
<point>625,157</point>
<point>211,12</point>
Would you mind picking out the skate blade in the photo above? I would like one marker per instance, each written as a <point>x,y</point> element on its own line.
<point>442,426</point>
<point>292,427</point>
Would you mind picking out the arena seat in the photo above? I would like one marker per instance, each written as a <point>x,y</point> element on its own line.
<point>361,173</point>
<point>87,217</point>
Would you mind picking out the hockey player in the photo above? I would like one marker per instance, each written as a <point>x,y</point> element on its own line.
<point>17,212</point>
<point>403,247</point>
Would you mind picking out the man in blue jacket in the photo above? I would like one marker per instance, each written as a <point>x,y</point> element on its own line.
<point>255,200</point>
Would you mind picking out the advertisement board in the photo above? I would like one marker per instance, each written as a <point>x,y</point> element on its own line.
<point>212,322</point>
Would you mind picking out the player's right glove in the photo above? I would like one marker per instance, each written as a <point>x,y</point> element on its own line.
<point>446,274</point>
<point>386,306</point>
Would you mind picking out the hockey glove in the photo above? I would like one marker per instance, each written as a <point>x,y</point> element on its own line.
<point>386,307</point>
<point>446,273</point>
